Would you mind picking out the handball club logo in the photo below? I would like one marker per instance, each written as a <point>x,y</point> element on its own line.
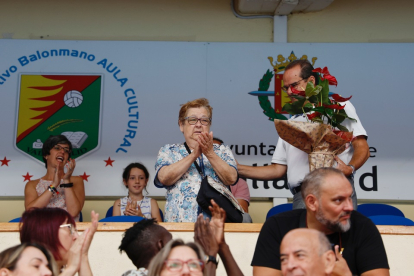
<point>67,105</point>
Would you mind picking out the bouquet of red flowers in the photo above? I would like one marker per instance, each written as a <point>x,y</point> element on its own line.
<point>323,136</point>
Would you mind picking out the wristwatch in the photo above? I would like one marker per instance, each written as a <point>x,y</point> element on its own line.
<point>66,185</point>
<point>211,259</point>
<point>353,169</point>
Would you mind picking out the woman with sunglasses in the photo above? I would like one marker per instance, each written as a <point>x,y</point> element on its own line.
<point>57,189</point>
<point>179,258</point>
<point>56,229</point>
<point>175,168</point>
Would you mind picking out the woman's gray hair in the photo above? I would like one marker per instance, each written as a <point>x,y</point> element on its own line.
<point>157,263</point>
<point>312,182</point>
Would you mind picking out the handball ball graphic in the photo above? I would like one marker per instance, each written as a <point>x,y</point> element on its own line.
<point>73,98</point>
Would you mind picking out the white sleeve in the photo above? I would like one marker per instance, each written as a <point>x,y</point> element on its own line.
<point>279,156</point>
<point>356,127</point>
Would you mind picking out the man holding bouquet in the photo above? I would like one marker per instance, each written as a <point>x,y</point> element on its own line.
<point>293,161</point>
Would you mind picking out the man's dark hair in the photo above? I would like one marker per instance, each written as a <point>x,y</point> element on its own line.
<point>218,140</point>
<point>139,242</point>
<point>52,141</point>
<point>306,69</point>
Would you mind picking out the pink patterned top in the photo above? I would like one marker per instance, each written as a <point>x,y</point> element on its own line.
<point>57,201</point>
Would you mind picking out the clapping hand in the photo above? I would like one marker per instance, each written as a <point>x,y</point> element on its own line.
<point>204,236</point>
<point>133,209</point>
<point>218,218</point>
<point>205,142</point>
<point>70,166</point>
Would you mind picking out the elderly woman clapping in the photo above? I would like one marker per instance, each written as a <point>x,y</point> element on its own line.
<point>175,168</point>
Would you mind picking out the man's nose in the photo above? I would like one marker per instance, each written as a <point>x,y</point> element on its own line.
<point>348,205</point>
<point>291,263</point>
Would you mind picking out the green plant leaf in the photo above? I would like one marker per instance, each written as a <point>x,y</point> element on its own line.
<point>312,90</point>
<point>319,109</point>
<point>318,120</point>
<point>342,128</point>
<point>309,105</point>
<point>325,92</point>
<point>329,111</point>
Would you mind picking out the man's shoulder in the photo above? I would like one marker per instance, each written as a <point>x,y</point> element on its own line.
<point>287,220</point>
<point>362,224</point>
<point>357,217</point>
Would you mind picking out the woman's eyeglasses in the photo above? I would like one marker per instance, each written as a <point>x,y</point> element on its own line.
<point>72,228</point>
<point>59,148</point>
<point>177,265</point>
<point>194,120</point>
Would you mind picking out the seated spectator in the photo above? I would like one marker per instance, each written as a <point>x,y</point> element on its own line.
<point>56,229</point>
<point>327,194</point>
<point>142,242</point>
<point>210,235</point>
<point>178,258</point>
<point>240,190</point>
<point>27,259</point>
<point>135,178</point>
<point>306,252</point>
<point>57,189</point>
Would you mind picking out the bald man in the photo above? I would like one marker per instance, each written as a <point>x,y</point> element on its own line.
<point>306,252</point>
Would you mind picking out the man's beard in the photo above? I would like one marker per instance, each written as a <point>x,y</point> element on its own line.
<point>335,226</point>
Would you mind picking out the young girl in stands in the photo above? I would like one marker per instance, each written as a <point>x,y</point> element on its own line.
<point>135,178</point>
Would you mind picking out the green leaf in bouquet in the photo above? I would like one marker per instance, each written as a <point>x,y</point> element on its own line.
<point>314,100</point>
<point>308,105</point>
<point>297,97</point>
<point>289,109</point>
<point>319,109</point>
<point>329,111</point>
<point>324,95</point>
<point>339,117</point>
<point>317,119</point>
<point>343,113</point>
<point>312,90</point>
<point>342,128</point>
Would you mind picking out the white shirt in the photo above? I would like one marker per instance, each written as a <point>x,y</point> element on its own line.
<point>297,160</point>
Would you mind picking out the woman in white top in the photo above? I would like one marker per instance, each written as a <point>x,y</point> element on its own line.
<point>135,178</point>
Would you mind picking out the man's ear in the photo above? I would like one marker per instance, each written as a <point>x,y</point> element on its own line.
<point>312,202</point>
<point>160,245</point>
<point>329,260</point>
<point>312,79</point>
<point>5,272</point>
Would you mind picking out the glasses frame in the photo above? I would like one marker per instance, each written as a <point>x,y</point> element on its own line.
<point>293,85</point>
<point>198,120</point>
<point>182,265</point>
<point>65,149</point>
<point>71,227</point>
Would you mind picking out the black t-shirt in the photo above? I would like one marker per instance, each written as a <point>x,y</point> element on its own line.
<point>362,243</point>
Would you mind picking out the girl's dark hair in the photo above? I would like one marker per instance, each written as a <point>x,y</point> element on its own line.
<point>53,141</point>
<point>127,172</point>
<point>42,225</point>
